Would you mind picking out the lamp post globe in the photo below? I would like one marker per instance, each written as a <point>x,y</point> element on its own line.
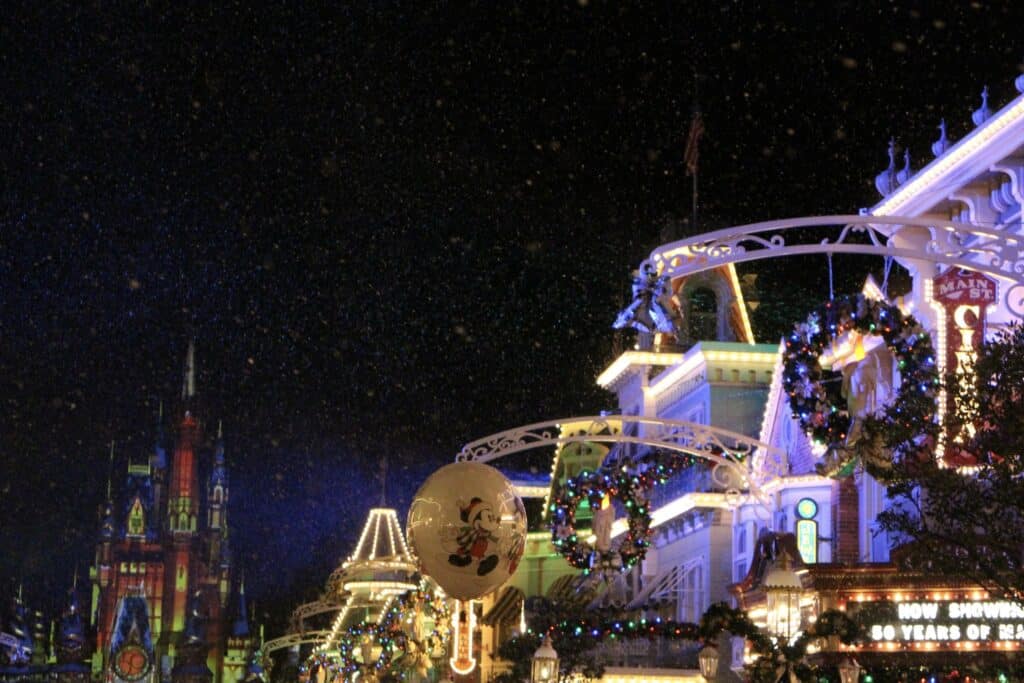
<point>707,658</point>
<point>783,589</point>
<point>545,663</point>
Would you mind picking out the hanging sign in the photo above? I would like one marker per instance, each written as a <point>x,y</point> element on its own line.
<point>965,296</point>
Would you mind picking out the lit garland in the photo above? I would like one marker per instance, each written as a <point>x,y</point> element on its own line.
<point>616,629</point>
<point>630,486</point>
<point>815,393</point>
<point>390,634</point>
<point>718,618</point>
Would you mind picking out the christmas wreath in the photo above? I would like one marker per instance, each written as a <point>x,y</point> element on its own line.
<point>629,485</point>
<point>861,379</point>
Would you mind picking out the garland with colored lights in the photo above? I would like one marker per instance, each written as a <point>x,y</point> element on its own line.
<point>628,485</point>
<point>389,634</point>
<point>815,394</point>
<point>773,655</point>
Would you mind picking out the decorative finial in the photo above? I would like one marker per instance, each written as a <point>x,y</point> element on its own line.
<point>940,146</point>
<point>906,172</point>
<point>220,429</point>
<point>885,182</point>
<point>160,411</point>
<point>982,113</point>
<point>74,581</point>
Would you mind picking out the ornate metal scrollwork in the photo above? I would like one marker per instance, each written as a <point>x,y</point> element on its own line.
<point>730,454</point>
<point>993,251</point>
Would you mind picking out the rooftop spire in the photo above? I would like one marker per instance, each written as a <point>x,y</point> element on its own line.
<point>240,629</point>
<point>110,471</point>
<point>940,146</point>
<point>188,385</point>
<point>982,113</point>
<point>885,182</point>
<point>906,172</point>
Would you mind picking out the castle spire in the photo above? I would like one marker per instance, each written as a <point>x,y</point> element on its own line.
<point>188,385</point>
<point>159,459</point>
<point>240,629</point>
<point>110,472</point>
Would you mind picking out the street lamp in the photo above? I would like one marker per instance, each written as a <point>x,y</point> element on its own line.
<point>783,588</point>
<point>545,663</point>
<point>849,670</point>
<point>708,660</point>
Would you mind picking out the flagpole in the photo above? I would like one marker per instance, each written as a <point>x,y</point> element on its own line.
<point>696,167</point>
<point>694,224</point>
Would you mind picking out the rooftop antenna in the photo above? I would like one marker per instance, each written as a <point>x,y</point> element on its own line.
<point>383,481</point>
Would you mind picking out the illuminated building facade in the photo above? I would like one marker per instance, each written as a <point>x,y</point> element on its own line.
<point>707,548</point>
<point>163,574</point>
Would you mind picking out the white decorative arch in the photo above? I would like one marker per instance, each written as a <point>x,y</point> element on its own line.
<point>295,639</point>
<point>738,462</point>
<point>996,251</point>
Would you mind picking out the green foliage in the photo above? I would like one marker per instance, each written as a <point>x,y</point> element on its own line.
<point>970,524</point>
<point>775,657</point>
<point>574,649</point>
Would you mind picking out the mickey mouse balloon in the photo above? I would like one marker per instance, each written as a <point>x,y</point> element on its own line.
<point>467,526</point>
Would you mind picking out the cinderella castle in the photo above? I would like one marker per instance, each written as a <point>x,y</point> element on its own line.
<point>165,603</point>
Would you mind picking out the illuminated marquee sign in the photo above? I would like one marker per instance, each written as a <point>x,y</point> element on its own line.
<point>972,621</point>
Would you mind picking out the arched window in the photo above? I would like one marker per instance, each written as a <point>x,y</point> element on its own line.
<point>703,314</point>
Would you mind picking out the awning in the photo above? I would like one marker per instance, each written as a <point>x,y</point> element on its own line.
<point>506,608</point>
<point>567,589</point>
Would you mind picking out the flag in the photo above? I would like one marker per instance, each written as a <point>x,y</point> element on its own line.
<point>692,152</point>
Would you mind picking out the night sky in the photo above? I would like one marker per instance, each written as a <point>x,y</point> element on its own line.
<point>397,227</point>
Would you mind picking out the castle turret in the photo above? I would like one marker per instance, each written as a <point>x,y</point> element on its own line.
<point>217,497</point>
<point>70,643</point>
<point>241,643</point>
<point>191,662</point>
